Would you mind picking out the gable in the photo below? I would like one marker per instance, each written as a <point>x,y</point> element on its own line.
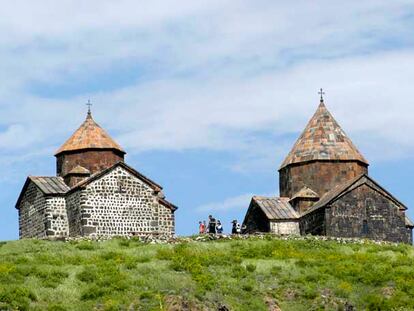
<point>122,178</point>
<point>348,186</point>
<point>48,185</point>
<point>364,197</point>
<point>142,178</point>
<point>118,178</point>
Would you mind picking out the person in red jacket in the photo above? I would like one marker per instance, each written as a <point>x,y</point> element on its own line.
<point>201,227</point>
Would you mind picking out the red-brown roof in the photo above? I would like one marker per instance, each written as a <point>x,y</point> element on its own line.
<point>323,139</point>
<point>89,136</point>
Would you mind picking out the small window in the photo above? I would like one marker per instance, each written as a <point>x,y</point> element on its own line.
<point>365,227</point>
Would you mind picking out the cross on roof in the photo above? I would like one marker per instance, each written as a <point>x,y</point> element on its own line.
<point>321,92</point>
<point>89,106</point>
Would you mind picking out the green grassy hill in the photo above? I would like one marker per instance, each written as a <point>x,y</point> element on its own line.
<point>252,274</point>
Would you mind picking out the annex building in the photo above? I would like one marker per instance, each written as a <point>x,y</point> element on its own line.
<point>94,192</point>
<point>325,189</point>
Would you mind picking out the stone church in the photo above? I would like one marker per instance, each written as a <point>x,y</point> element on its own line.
<point>94,192</point>
<point>325,189</point>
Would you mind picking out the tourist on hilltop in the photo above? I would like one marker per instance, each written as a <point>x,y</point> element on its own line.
<point>238,228</point>
<point>205,226</point>
<point>233,226</point>
<point>211,225</point>
<point>219,227</point>
<point>201,227</point>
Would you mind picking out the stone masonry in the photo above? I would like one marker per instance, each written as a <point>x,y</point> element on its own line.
<point>94,193</point>
<point>325,189</point>
<point>118,204</point>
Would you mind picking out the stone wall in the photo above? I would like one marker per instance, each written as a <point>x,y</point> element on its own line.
<point>41,216</point>
<point>313,223</point>
<point>74,213</point>
<point>256,220</point>
<point>119,204</point>
<point>166,220</point>
<point>364,212</point>
<point>301,205</point>
<point>32,210</point>
<point>320,176</point>
<point>284,227</point>
<point>56,217</point>
<point>93,160</point>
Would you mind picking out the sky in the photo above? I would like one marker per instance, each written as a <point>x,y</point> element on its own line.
<point>207,97</point>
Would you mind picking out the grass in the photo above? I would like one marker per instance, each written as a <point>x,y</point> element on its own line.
<point>246,275</point>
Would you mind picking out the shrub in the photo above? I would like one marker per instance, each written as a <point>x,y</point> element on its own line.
<point>275,270</point>
<point>92,292</point>
<point>251,267</point>
<point>124,242</point>
<point>87,246</point>
<point>238,272</point>
<point>16,297</point>
<point>88,274</point>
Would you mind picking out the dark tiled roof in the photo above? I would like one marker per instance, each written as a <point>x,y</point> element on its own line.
<point>349,185</point>
<point>50,185</point>
<point>276,208</point>
<point>89,136</point>
<point>323,139</point>
<point>168,204</point>
<point>305,192</point>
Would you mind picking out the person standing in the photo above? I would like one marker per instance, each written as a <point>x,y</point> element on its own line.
<point>238,228</point>
<point>201,227</point>
<point>211,224</point>
<point>219,227</point>
<point>233,228</point>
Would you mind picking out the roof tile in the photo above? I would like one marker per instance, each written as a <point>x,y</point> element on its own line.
<point>276,208</point>
<point>89,135</point>
<point>323,139</point>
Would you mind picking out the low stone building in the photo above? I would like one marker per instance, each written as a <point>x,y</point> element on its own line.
<point>271,215</point>
<point>324,180</point>
<point>94,193</point>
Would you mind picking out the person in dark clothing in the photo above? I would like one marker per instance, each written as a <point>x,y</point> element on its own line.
<point>211,224</point>
<point>233,228</point>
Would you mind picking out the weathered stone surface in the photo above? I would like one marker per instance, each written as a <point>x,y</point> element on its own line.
<point>93,160</point>
<point>363,212</point>
<point>118,204</point>
<point>320,176</point>
<point>260,217</point>
<point>115,200</point>
<point>325,180</point>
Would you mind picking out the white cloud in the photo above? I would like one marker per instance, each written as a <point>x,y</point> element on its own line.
<point>220,75</point>
<point>240,202</point>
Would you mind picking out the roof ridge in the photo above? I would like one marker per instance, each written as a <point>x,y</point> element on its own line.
<point>323,139</point>
<point>89,135</point>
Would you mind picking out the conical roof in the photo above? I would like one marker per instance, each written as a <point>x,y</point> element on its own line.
<point>89,136</point>
<point>323,139</point>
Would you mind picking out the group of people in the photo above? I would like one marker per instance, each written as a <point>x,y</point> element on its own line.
<point>215,227</point>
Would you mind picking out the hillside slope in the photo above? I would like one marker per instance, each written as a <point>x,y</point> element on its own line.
<point>252,274</point>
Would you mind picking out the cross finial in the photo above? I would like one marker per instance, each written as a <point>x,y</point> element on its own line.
<point>321,92</point>
<point>89,106</point>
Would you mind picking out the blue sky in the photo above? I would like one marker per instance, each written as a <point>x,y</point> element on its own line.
<point>207,97</point>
